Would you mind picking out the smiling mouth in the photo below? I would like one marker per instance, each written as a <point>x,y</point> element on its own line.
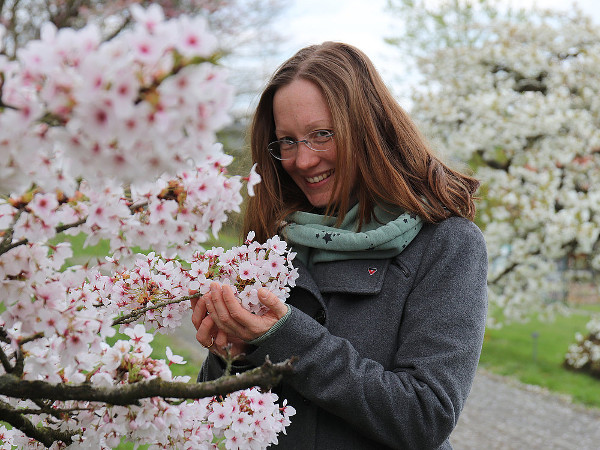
<point>321,177</point>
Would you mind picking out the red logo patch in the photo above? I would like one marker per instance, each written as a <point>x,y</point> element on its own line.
<point>372,270</point>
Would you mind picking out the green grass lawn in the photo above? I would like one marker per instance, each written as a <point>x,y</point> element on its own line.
<point>512,351</point>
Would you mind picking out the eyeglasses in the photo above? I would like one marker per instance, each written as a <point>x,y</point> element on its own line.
<point>318,141</point>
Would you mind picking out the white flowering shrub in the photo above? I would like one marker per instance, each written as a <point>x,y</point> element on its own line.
<point>117,140</point>
<point>517,98</point>
<point>584,355</point>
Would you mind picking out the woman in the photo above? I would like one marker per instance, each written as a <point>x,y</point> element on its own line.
<point>387,316</point>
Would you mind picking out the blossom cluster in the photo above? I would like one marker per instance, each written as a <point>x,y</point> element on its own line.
<point>585,353</point>
<point>248,419</point>
<point>157,291</point>
<point>520,105</point>
<point>248,268</point>
<point>173,215</point>
<point>131,108</point>
<point>74,311</point>
<point>119,138</point>
<point>244,419</point>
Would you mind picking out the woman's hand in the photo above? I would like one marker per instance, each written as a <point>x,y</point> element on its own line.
<point>209,335</point>
<point>234,320</point>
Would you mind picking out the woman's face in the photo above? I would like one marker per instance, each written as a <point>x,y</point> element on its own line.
<point>298,109</point>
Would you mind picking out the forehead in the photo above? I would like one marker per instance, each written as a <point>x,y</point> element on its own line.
<point>300,105</point>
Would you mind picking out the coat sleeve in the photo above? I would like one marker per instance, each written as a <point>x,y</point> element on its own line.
<point>415,403</point>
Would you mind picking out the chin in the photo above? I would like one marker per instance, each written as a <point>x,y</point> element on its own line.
<point>317,203</point>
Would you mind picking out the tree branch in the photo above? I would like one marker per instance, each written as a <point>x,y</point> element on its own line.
<point>115,33</point>
<point>5,246</point>
<point>5,361</point>
<point>8,233</point>
<point>265,376</point>
<point>46,436</point>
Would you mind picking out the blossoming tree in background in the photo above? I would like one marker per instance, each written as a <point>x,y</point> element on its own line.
<point>515,95</point>
<point>116,139</point>
<point>584,354</point>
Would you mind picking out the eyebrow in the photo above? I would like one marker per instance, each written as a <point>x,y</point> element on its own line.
<point>311,127</point>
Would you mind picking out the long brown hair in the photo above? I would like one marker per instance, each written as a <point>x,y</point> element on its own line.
<point>374,137</point>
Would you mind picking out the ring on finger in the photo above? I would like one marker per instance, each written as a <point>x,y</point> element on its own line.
<point>211,342</point>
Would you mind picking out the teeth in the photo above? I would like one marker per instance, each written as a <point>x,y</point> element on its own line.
<point>320,177</point>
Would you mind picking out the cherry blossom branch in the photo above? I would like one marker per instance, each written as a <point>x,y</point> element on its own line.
<point>2,104</point>
<point>47,436</point>
<point>19,365</point>
<point>178,65</point>
<point>47,409</point>
<point>133,316</point>
<point>8,233</point>
<point>31,338</point>
<point>118,30</point>
<point>5,246</point>
<point>265,377</point>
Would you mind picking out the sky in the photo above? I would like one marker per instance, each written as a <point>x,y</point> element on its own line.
<point>365,24</point>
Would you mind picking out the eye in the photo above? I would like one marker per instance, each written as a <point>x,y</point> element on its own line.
<point>286,144</point>
<point>321,136</point>
<point>323,133</point>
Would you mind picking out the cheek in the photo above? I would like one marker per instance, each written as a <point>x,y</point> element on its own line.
<point>287,165</point>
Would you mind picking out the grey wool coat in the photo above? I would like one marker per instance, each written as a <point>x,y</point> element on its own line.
<point>387,348</point>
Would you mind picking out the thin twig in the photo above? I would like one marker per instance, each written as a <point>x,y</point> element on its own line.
<point>55,412</point>
<point>134,315</point>
<point>31,338</point>
<point>119,29</point>
<point>5,247</point>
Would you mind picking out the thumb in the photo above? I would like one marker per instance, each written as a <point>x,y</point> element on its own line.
<point>272,302</point>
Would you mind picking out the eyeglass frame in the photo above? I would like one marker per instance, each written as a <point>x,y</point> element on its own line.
<point>305,141</point>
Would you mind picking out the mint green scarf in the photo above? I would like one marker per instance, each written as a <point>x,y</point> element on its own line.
<point>316,239</point>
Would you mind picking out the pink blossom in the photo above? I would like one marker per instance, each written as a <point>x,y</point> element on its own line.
<point>143,139</point>
<point>253,179</point>
<point>149,18</point>
<point>43,205</point>
<point>174,359</point>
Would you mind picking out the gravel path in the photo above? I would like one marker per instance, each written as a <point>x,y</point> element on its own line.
<point>501,414</point>
<point>504,414</point>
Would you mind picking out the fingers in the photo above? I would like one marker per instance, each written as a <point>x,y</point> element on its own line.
<point>217,308</point>
<point>199,310</point>
<point>272,302</point>
<point>237,312</point>
<point>230,316</point>
<point>206,332</point>
<point>221,340</point>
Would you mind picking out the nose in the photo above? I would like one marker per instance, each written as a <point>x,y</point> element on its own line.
<point>305,157</point>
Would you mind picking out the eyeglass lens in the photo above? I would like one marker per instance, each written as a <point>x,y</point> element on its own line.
<point>286,148</point>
